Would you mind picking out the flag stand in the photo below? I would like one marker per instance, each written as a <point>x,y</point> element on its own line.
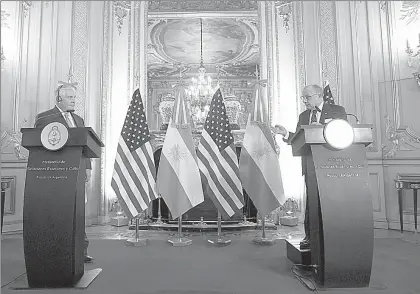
<point>137,241</point>
<point>180,240</point>
<point>159,220</point>
<point>263,240</point>
<point>220,240</point>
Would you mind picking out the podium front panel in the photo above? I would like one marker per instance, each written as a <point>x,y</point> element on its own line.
<point>344,250</point>
<point>53,217</point>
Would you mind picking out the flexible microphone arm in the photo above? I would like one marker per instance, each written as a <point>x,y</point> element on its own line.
<point>348,114</point>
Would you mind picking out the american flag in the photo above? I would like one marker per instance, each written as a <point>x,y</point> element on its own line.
<point>218,162</point>
<point>328,97</point>
<point>133,180</point>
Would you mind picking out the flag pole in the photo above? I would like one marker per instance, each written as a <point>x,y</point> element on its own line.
<point>179,240</point>
<point>219,240</point>
<point>137,241</point>
<point>159,220</point>
<point>263,239</point>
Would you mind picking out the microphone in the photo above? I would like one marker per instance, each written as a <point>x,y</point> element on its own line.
<point>345,113</point>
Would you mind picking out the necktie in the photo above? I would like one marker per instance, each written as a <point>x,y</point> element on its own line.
<point>313,116</point>
<point>69,120</point>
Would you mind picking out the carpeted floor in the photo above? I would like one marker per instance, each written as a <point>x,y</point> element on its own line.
<point>200,268</point>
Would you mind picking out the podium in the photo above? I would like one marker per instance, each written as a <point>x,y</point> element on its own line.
<point>54,206</point>
<point>340,207</point>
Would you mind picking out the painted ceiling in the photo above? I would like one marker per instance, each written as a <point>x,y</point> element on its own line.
<point>230,46</point>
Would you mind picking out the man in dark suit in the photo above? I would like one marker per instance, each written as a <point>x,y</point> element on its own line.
<point>63,112</point>
<point>317,112</point>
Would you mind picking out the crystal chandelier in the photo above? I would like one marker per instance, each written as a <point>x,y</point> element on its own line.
<point>200,90</point>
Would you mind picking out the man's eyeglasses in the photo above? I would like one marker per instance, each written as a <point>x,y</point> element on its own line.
<point>307,97</point>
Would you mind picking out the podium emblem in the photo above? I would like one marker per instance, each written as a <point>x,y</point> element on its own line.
<point>54,136</point>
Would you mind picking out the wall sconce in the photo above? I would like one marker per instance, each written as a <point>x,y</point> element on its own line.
<point>414,59</point>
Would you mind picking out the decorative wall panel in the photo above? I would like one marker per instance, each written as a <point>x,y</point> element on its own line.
<point>329,45</point>
<point>79,53</point>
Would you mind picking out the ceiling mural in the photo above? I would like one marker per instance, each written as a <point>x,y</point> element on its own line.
<point>230,46</point>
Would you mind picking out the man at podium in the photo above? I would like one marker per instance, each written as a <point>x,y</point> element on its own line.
<point>63,112</point>
<point>317,112</point>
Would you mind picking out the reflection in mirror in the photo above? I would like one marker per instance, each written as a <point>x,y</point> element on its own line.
<point>205,52</point>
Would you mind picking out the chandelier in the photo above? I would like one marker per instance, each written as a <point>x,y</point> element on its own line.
<point>200,90</point>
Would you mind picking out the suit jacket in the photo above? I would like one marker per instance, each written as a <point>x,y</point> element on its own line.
<point>329,111</point>
<point>54,115</point>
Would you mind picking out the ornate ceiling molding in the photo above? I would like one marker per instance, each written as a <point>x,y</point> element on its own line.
<point>200,5</point>
<point>121,10</point>
<point>284,10</point>
<point>166,57</point>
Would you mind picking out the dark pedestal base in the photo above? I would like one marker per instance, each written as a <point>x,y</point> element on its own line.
<point>297,255</point>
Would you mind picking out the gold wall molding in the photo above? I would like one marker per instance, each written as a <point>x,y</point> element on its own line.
<point>121,11</point>
<point>79,52</point>
<point>284,10</point>
<point>406,139</point>
<point>106,94</point>
<point>201,5</point>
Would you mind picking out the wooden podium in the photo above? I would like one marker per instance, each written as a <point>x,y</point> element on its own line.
<point>54,207</point>
<point>341,217</point>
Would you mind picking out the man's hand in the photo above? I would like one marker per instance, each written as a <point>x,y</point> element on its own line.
<point>88,175</point>
<point>278,129</point>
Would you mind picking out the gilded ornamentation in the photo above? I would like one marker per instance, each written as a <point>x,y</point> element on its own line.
<point>166,105</point>
<point>4,24</point>
<point>129,61</point>
<point>26,5</point>
<point>233,108</point>
<point>284,10</point>
<point>4,17</point>
<point>121,10</point>
<point>270,58</point>
<point>392,136</point>
<point>104,204</point>
<point>300,49</point>
<point>13,138</point>
<point>405,139</point>
<point>383,5</point>
<point>143,7</point>
<point>197,5</point>
<point>329,44</point>
<point>410,11</point>
<point>79,53</point>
